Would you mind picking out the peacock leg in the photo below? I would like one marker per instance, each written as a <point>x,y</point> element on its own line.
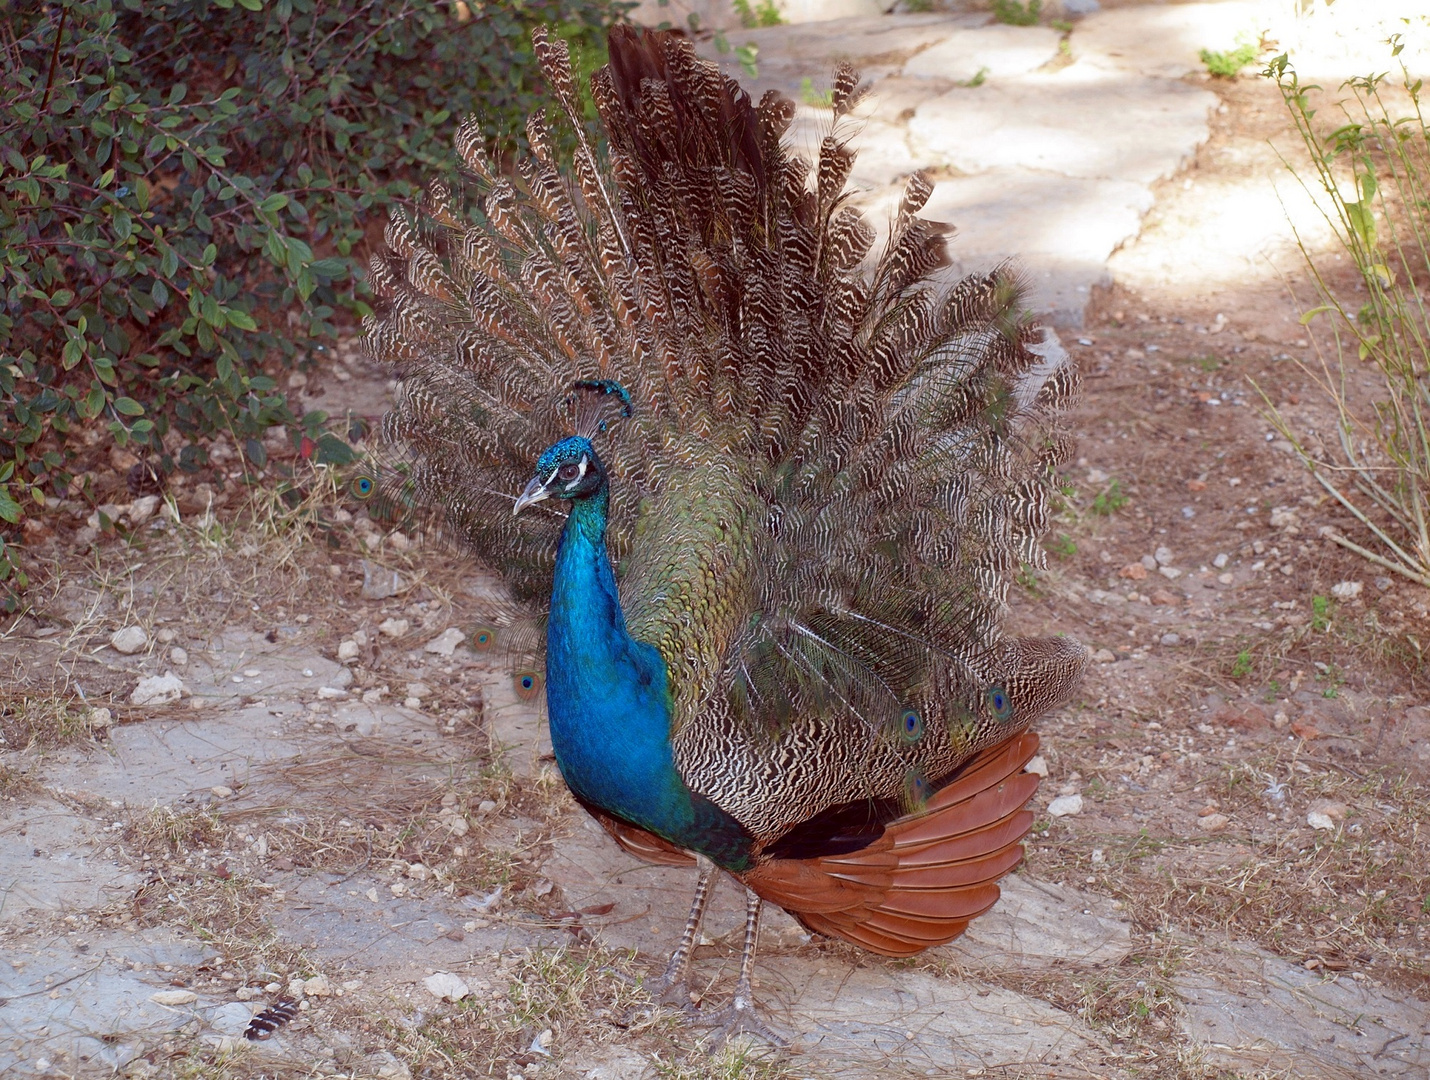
<point>740,1016</point>
<point>673,988</point>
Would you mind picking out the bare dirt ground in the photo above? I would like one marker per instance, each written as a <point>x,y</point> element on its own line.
<point>344,800</point>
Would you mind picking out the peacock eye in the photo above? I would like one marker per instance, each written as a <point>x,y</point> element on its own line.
<point>569,472</point>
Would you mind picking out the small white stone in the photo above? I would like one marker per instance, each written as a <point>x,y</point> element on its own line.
<point>1213,822</point>
<point>1226,579</point>
<point>1171,640</point>
<point>412,702</point>
<point>372,894</point>
<point>1163,556</point>
<point>486,806</point>
<point>1221,560</point>
<point>418,871</point>
<point>1148,562</point>
<point>221,792</point>
<point>272,988</point>
<point>446,986</point>
<point>1171,573</point>
<point>317,986</point>
<point>165,636</point>
<point>394,628</point>
<point>1319,821</point>
<point>1098,856</point>
<point>100,718</point>
<point>347,650</point>
<point>458,826</point>
<point>1346,590</point>
<point>179,656</point>
<point>329,693</point>
<point>174,997</point>
<point>1104,656</point>
<point>1065,806</point>
<point>398,888</point>
<point>129,640</point>
<point>142,509</point>
<point>445,643</point>
<point>157,690</point>
<point>1038,766</point>
<point>245,993</point>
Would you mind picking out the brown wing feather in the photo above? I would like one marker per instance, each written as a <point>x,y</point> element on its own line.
<point>930,873</point>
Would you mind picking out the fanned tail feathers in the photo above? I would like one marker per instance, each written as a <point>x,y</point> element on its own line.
<point>839,471</point>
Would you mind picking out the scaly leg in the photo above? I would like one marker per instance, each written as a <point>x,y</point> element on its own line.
<point>740,1016</point>
<point>673,988</point>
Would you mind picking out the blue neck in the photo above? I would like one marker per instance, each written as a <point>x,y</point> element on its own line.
<point>609,706</point>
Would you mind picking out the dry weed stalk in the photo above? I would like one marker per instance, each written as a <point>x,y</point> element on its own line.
<point>1371,180</point>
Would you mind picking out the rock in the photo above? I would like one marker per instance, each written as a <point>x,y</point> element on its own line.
<point>142,509</point>
<point>378,582</point>
<point>1170,640</point>
<point>1246,718</point>
<point>1163,556</point>
<point>1149,563</point>
<point>245,993</point>
<point>347,650</point>
<point>1320,821</point>
<point>1133,572</point>
<point>178,656</point>
<point>446,986</point>
<point>1104,656</point>
<point>230,1019</point>
<point>165,636</point>
<point>1161,40</point>
<point>330,693</point>
<point>418,690</point>
<point>129,640</point>
<point>1226,579</point>
<point>1038,766</point>
<point>1213,822</point>
<point>616,1063</point>
<point>1336,811</point>
<point>158,690</point>
<point>99,719</point>
<point>418,871</point>
<point>1065,806</point>
<point>1346,590</point>
<point>996,51</point>
<point>1171,573</point>
<point>1163,598</point>
<point>1221,560</point>
<point>317,986</point>
<point>1282,516</point>
<point>486,806</point>
<point>174,997</point>
<point>219,791</point>
<point>394,628</point>
<point>445,643</point>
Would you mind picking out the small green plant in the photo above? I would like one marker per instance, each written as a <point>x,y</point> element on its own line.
<point>979,78</point>
<point>1320,613</point>
<point>1017,13</point>
<point>1242,667</point>
<point>759,13</point>
<point>821,99</point>
<point>1110,500</point>
<point>1227,65</point>
<point>1209,363</point>
<point>1370,175</point>
<point>1064,546</point>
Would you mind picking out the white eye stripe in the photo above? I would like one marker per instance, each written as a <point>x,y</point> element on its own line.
<point>579,475</point>
<point>552,478</point>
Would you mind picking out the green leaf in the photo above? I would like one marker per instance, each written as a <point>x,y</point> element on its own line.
<point>240,319</point>
<point>9,508</point>
<point>274,202</point>
<point>251,5</point>
<point>128,406</point>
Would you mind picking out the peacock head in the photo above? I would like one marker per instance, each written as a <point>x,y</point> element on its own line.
<point>568,470</point>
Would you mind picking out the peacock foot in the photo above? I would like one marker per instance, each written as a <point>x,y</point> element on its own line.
<point>740,1017</point>
<point>672,988</point>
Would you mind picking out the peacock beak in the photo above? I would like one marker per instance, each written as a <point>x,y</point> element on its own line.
<point>534,493</point>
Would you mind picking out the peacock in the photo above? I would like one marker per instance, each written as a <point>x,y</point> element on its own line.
<point>762,492</point>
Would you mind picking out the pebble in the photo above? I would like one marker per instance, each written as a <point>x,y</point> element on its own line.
<point>1336,811</point>
<point>394,628</point>
<point>245,993</point>
<point>179,656</point>
<point>1213,822</point>
<point>398,888</point>
<point>317,986</point>
<point>347,650</point>
<point>1038,766</point>
<point>1171,639</point>
<point>1226,579</point>
<point>1171,573</point>
<point>1065,806</point>
<point>1346,590</point>
<point>1221,560</point>
<point>378,582</point>
<point>372,894</point>
<point>221,792</point>
<point>129,640</point>
<point>157,690</point>
<point>328,693</point>
<point>1320,821</point>
<point>174,997</point>
<point>486,806</point>
<point>1149,562</point>
<point>418,871</point>
<point>445,643</point>
<point>1104,656</point>
<point>446,986</point>
<point>165,636</point>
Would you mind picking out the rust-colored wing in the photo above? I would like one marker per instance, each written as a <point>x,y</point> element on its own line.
<point>931,872</point>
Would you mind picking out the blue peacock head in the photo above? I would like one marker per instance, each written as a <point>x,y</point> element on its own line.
<point>569,469</point>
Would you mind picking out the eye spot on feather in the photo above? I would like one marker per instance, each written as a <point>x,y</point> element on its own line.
<point>999,702</point>
<point>527,684</point>
<point>917,789</point>
<point>483,638</point>
<point>363,487</point>
<point>911,726</point>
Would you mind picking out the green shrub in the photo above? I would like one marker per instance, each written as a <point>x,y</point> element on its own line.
<point>185,187</point>
<point>1227,65</point>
